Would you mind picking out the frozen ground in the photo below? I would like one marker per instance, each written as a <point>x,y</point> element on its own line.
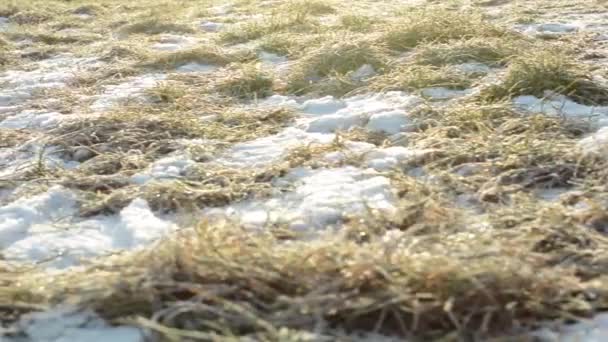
<point>45,228</point>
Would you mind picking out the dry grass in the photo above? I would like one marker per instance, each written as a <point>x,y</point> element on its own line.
<point>224,282</point>
<point>437,25</point>
<point>337,58</point>
<point>536,73</point>
<point>416,77</point>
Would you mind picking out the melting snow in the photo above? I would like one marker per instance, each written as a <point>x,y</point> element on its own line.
<point>593,330</point>
<point>42,228</point>
<point>33,119</point>
<point>596,143</point>
<point>170,42</point>
<point>441,93</point>
<point>266,150</point>
<point>19,85</point>
<point>331,114</point>
<point>31,154</point>
<point>319,198</point>
<point>559,105</point>
<point>70,325</point>
<point>135,88</point>
<point>4,22</point>
<point>554,29</point>
<point>166,168</point>
<point>196,67</point>
<point>210,26</point>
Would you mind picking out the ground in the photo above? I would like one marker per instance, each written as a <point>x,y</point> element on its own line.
<point>302,170</point>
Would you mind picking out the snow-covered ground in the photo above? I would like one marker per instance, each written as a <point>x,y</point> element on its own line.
<point>45,228</point>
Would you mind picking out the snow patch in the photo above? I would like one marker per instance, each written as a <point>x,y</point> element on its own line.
<point>473,68</point>
<point>134,89</point>
<point>170,42</point>
<point>169,168</point>
<point>196,67</point>
<point>43,229</point>
<point>596,144</point>
<point>364,72</point>
<point>377,158</point>
<point>210,26</point>
<point>592,330</point>
<point>559,105</point>
<point>32,154</point>
<point>33,119</point>
<point>68,324</point>
<point>4,22</point>
<point>442,93</point>
<point>333,114</point>
<point>267,150</point>
<point>389,122</point>
<point>17,86</point>
<point>319,198</point>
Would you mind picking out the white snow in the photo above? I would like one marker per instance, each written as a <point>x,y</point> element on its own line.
<point>4,22</point>
<point>266,150</point>
<point>171,167</point>
<point>19,85</point>
<point>592,330</point>
<point>196,67</point>
<point>271,59</point>
<point>377,158</point>
<point>552,29</point>
<point>64,324</point>
<point>319,198</point>
<point>42,228</point>
<point>559,105</point>
<point>171,42</point>
<point>364,72</point>
<point>210,26</point>
<point>388,122</point>
<point>32,154</point>
<point>596,144</point>
<point>33,119</point>
<point>133,89</point>
<point>473,68</point>
<point>442,93</point>
<point>332,114</point>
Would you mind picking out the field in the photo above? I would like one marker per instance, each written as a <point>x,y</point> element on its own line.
<point>303,170</point>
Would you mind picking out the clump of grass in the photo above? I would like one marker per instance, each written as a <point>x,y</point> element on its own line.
<point>167,92</point>
<point>303,8</point>
<point>447,284</point>
<point>205,55</point>
<point>416,77</point>
<point>246,82</point>
<point>280,44</point>
<point>155,26</point>
<point>336,58</point>
<point>491,51</point>
<point>356,23</point>
<point>439,26</point>
<point>276,24</point>
<point>536,73</point>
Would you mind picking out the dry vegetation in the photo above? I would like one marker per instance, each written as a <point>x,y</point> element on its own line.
<point>439,269</point>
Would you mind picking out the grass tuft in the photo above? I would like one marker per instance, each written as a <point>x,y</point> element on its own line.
<point>337,59</point>
<point>536,73</point>
<point>439,26</point>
